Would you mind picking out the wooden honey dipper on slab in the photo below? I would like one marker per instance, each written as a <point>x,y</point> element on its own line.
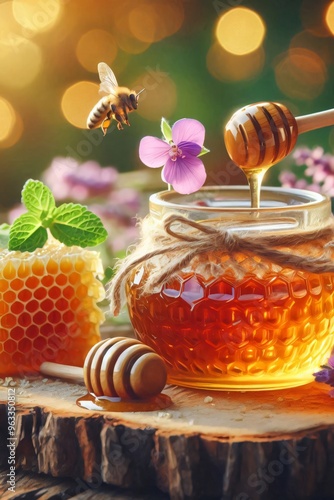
<point>260,135</point>
<point>117,367</point>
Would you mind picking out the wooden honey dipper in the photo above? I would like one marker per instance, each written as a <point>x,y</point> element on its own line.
<point>260,135</point>
<point>118,367</point>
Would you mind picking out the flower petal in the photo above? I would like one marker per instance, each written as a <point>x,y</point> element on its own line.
<point>153,152</point>
<point>188,130</point>
<point>186,175</point>
<point>189,148</point>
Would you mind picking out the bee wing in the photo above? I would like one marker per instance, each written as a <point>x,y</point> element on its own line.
<point>108,79</point>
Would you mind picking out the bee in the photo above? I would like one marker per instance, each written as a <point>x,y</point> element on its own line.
<point>116,105</point>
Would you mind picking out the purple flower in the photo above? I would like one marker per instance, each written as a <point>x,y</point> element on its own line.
<point>69,179</point>
<point>326,375</point>
<point>179,157</point>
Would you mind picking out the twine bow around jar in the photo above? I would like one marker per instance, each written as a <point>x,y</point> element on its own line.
<point>175,243</point>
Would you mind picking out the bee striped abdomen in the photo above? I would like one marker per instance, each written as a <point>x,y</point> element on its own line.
<point>98,113</point>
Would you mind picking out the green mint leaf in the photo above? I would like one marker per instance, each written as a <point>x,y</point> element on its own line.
<point>38,198</point>
<point>73,224</point>
<point>26,234</point>
<point>166,130</point>
<point>4,235</point>
<point>203,151</point>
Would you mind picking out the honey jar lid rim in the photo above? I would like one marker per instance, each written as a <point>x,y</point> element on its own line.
<point>302,199</point>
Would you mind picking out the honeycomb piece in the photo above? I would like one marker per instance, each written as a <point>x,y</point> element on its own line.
<point>48,307</point>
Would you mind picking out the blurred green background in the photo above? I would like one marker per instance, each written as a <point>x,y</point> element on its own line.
<point>193,60</point>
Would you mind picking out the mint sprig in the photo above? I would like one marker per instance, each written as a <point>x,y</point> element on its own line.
<point>70,223</point>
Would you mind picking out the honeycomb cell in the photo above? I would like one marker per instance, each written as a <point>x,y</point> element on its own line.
<point>54,317</point>
<point>47,280</point>
<point>24,319</point>
<point>81,291</point>
<point>9,296</point>
<point>54,292</point>
<point>68,316</point>
<point>32,331</point>
<point>40,343</point>
<point>79,265</point>
<point>172,288</point>
<point>8,320</point>
<point>278,290</point>
<point>4,307</point>
<point>38,268</point>
<point>24,345</point>
<point>66,265</point>
<point>299,287</point>
<point>61,279</point>
<point>32,306</point>
<point>221,291</point>
<point>192,291</point>
<point>46,330</point>
<point>74,278</point>
<point>3,334</point>
<point>40,293</point>
<point>68,292</point>
<point>47,305</point>
<point>4,284</point>
<point>52,267</point>
<point>9,271</point>
<point>10,346</point>
<point>24,295</point>
<point>39,318</point>
<point>251,290</point>
<point>23,270</point>
<point>17,307</point>
<point>61,304</point>
<point>32,282</point>
<point>16,284</point>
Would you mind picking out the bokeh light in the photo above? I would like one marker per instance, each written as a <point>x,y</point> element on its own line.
<point>11,126</point>
<point>96,46</point>
<point>313,14</point>
<point>36,17</point>
<point>160,95</point>
<point>21,61</point>
<point>225,66</point>
<point>77,102</point>
<point>152,21</point>
<point>300,74</point>
<point>240,31</point>
<point>319,45</point>
<point>8,119</point>
<point>329,17</point>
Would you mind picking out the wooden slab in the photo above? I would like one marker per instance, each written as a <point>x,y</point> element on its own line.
<point>228,445</point>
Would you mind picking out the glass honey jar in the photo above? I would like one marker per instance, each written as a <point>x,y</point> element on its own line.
<point>235,318</point>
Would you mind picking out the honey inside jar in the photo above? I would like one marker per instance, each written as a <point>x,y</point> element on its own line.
<point>262,327</point>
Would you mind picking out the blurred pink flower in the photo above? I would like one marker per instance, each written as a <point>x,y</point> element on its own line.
<point>121,207</point>
<point>181,166</point>
<point>15,212</point>
<point>290,180</point>
<point>69,179</point>
<point>319,171</point>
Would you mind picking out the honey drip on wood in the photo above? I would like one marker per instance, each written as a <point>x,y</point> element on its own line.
<point>105,403</point>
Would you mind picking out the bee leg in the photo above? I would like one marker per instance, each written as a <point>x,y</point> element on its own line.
<point>125,115</point>
<point>105,124</point>
<point>119,126</point>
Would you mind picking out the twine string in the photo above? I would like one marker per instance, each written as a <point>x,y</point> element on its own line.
<point>170,245</point>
